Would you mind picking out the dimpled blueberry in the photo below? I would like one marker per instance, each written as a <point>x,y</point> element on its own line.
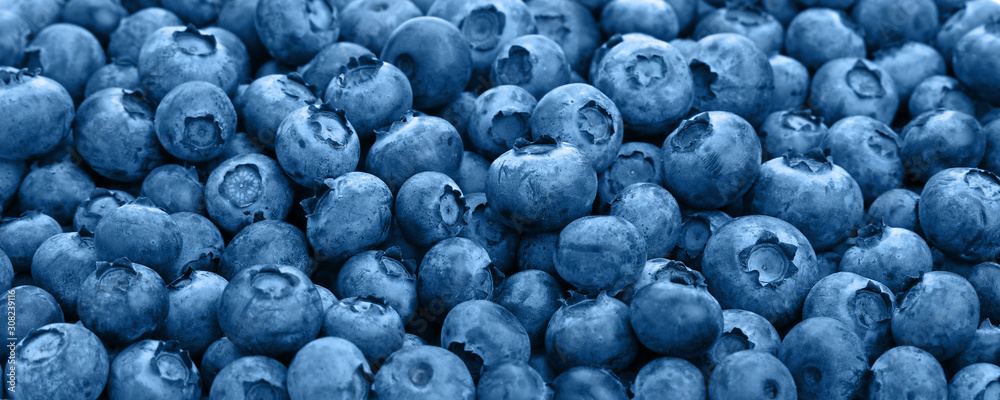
<point>60,266</point>
<point>382,275</point>
<point>941,139</point>
<point>569,24</point>
<point>115,134</point>
<point>174,54</point>
<point>745,19</point>
<point>55,189</point>
<point>194,120</point>
<point>245,188</point>
<point>532,296</point>
<point>352,91</point>
<point>938,314</point>
<point>696,229</point>
<point>316,143</point>
<point>429,208</point>
<point>791,83</point>
<point>581,115</point>
<point>940,91</point>
<point>143,233</point>
<point>326,65</point>
<point>484,334</point>
<point>66,53</point>
<point>174,188</point>
<point>976,380</point>
<point>123,302</point>
<point>637,162</point>
<point>826,359</point>
<point>487,24</point>
<point>676,317</point>
<point>512,380</point>
<point>606,47</point>
<point>600,253</point>
<point>20,237</point>
<point>853,86</point>
<point>895,256</point>
<point>499,240</point>
<point>351,217</point>
<point>909,64</point>
<point>654,212</point>
<point>960,213</point>
<point>424,372</point>
<point>369,324</point>
<point>266,242</point>
<point>251,377</point>
<point>731,74</point>
<point>907,372</point>
<point>862,304</point>
<point>752,374</point>
<point>583,382</point>
<point>453,271</point>
<point>294,31</point>
<point>65,353</point>
<point>119,73</point>
<point>411,145</point>
<point>870,151</point>
<point>26,132</point>
<point>434,56</point>
<point>791,130</point>
<point>499,117</point>
<point>201,245</point>
<point>533,62</point>
<point>127,39</point>
<point>588,331</point>
<point>268,100</point>
<point>193,321</point>
<point>154,368</point>
<point>742,330</point>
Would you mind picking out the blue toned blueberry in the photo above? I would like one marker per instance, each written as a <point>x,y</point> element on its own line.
<point>760,264</point>
<point>38,14</point>
<point>271,310</point>
<point>894,256</point>
<point>532,296</point>
<point>326,65</point>
<point>983,348</point>
<point>219,354</point>
<point>472,173</point>
<point>67,54</point>
<point>117,74</point>
<point>197,12</point>
<point>123,302</point>
<point>142,233</point>
<point>569,24</point>
<point>327,298</point>
<point>202,243</point>
<point>853,86</point>
<point>434,56</point>
<point>174,188</point>
<point>606,47</point>
<point>647,79</point>
<point>512,380</point>
<point>424,373</point>
<point>791,83</point>
<point>266,242</point>
<point>535,251</point>
<point>132,31</point>
<point>26,132</point>
<point>676,317</point>
<point>742,330</point>
<point>744,19</point>
<point>940,91</point>
<point>238,17</point>
<point>941,139</point>
<point>499,240</point>
<point>369,324</point>
<point>731,74</point>
<point>246,188</point>
<point>152,369</point>
<point>938,314</point>
<point>12,172</point>
<point>974,381</point>
<point>533,62</point>
<point>807,191</point>
<point>582,116</point>
<point>173,55</point>
<point>696,229</point>
<point>600,253</point>
<point>499,117</point>
<point>909,64</point>
<point>484,335</point>
<point>65,353</point>
<point>60,265</point>
<point>907,372</point>
<point>915,21</point>
<point>411,340</point>
<point>294,31</point>
<point>671,377</point>
<point>896,208</point>
<point>459,114</point>
<point>863,305</point>
<point>487,25</point>
<point>115,134</point>
<point>370,22</point>
<point>870,151</point>
<point>972,15</point>
<point>654,212</point>
<point>352,216</point>
<point>193,319</point>
<point>20,237</point>
<point>791,130</point>
<point>34,309</point>
<point>983,278</point>
<point>637,162</point>
<point>453,271</point>
<point>430,207</point>
<point>382,275</point>
<point>249,378</point>
<point>656,18</point>
<point>193,120</point>
<point>711,159</point>
<point>540,363</point>
<point>656,269</point>
<point>268,100</point>
<point>826,358</point>
<point>352,91</point>
<point>818,35</point>
<point>960,213</point>
<point>583,382</point>
<point>752,374</point>
<point>316,143</point>
<point>687,47</point>
<point>100,17</point>
<point>329,367</point>
<point>14,36</point>
<point>591,332</point>
<point>411,145</point>
<point>55,189</point>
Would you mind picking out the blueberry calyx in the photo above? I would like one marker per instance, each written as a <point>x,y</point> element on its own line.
<point>321,16</point>
<point>421,374</point>
<point>814,161</point>
<point>884,144</point>
<point>770,260</point>
<point>695,233</point>
<point>801,120</point>
<point>692,132</point>
<point>270,282</point>
<point>730,342</point>
<point>596,122</point>
<point>359,70</point>
<point>172,363</point>
<point>470,354</point>
<point>483,27</point>
<point>986,183</point>
<point>396,254</point>
<point>105,268</point>
<point>242,185</point>
<point>865,82</point>
<point>294,91</point>
<point>323,118</point>
<point>262,390</point>
<point>452,209</point>
<point>871,234</point>
<point>508,125</point>
<point>515,68</point>
<point>677,272</point>
<point>136,104</point>
<point>645,71</point>
<point>201,132</point>
<point>872,304</point>
<point>52,340</point>
<point>703,78</point>
<point>183,280</point>
<point>194,42</point>
<point>542,145</point>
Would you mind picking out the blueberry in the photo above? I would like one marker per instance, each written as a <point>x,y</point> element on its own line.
<point>219,354</point>
<point>938,314</point>
<point>647,80</point>
<point>533,62</point>
<point>192,320</point>
<point>60,265</point>
<point>973,381</point>
<point>123,302</point>
<point>21,237</point>
<point>472,172</point>
<point>370,22</point>
<point>326,297</point>
<point>606,47</point>
<point>760,264</point>
<point>249,378</point>
<point>453,271</point>
<point>569,24</point>
<point>731,74</point>
<point>194,120</point>
<point>67,54</point>
<point>411,145</point>
<point>592,332</point>
<point>752,374</point>
<point>326,65</point>
<point>27,131</point>
<point>656,269</point>
<point>424,373</point>
<point>35,308</point>
<point>636,162</point>
<point>132,31</point>
<point>540,363</point>
<point>687,47</point>
<point>791,130</point>
<point>152,369</point>
<point>711,159</point>
<point>982,278</point>
<point>532,296</point>
<point>826,358</point>
<point>941,139</point>
<point>65,353</point>
<point>119,73</point>
<point>143,233</point>
<point>791,83</point>
<point>671,377</point>
<point>316,143</point>
<point>959,209</point>
<point>907,372</point>
<point>971,15</point>
<point>894,256</point>
<point>411,340</point>
<point>369,324</point>
<point>115,134</point>
<point>55,189</point>
<point>983,348</point>
<point>352,90</point>
<point>991,161</point>
<point>896,208</point>
<point>382,275</point>
<point>973,53</point>
<point>246,188</point>
<point>655,18</point>
<point>266,242</point>
<point>38,14</point>
<point>745,19</point>
<point>676,317</point>
<point>434,56</point>
<point>201,245</point>
<point>696,229</point>
<point>268,100</point>
<point>351,217</point>
<point>535,251</point>
<point>500,116</point>
<point>294,31</point>
<point>916,21</point>
<point>100,17</point>
<point>197,12</point>
<point>484,335</point>
<point>583,382</point>
<point>12,172</point>
<point>862,304</point>
<point>742,330</point>
<point>14,38</point>
<point>512,380</point>
<point>499,240</point>
<point>237,16</point>
<point>459,114</point>
<point>174,188</point>
<point>173,55</point>
<point>654,212</point>
<point>581,115</point>
<point>870,151</point>
<point>600,253</point>
<point>909,64</point>
<point>853,86</point>
<point>429,208</point>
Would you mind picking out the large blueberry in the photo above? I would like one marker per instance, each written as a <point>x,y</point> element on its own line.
<point>434,56</point>
<point>115,134</point>
<point>20,237</point>
<point>677,317</point>
<point>853,86</point>
<point>60,361</point>
<point>38,14</point>
<point>826,358</point>
<point>316,143</point>
<point>614,41</point>
<point>533,62</point>
<point>193,120</point>
<point>61,264</point>
<point>453,271</point>
<point>600,253</point>
<point>294,31</point>
<point>894,256</point>
<point>591,332</point>
<point>960,213</point>
<point>326,65</point>
<point>636,162</point>
<point>424,373</point>
<point>39,113</point>
<point>752,374</point>
<point>14,36</point>
<point>55,189</point>
<point>870,151</point>
<point>127,39</point>
<point>983,348</point>
<point>266,242</point>
<point>742,330</point>
<point>173,55</point>
<point>246,188</point>
<point>581,115</point>
<point>907,372</point>
<point>941,139</point>
<point>484,335</point>
<point>266,103</point>
<point>488,25</point>
<point>657,269</point>
<point>745,19</point>
<point>354,215</point>
<point>143,233</point>
<point>430,207</point>
<point>972,15</point>
<point>731,74</point>
<point>123,302</point>
<point>152,369</point>
<point>382,275</point>
<point>938,314</point>
<point>791,83</point>
<point>499,117</point>
<point>974,381</point>
<point>411,145</point>
<point>251,377</point>
<point>193,321</point>
<point>219,354</point>
<point>369,324</point>
<point>174,188</point>
<point>909,64</point>
<point>818,35</point>
<point>201,245</point>
<point>863,305</point>
<point>532,296</point>
<point>66,53</point>
<point>672,377</point>
<point>352,91</point>
<point>120,73</point>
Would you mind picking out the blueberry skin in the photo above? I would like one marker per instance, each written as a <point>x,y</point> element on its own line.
<point>423,373</point>
<point>219,354</point>
<point>862,304</point>
<point>123,302</point>
<point>265,242</point>
<point>245,188</point>
<point>752,374</point>
<point>672,377</point>
<point>791,83</point>
<point>434,56</point>
<point>742,330</point>
<point>601,51</point>
<point>20,237</point>
<point>238,17</point>
<point>826,358</point>
<point>60,265</point>
<point>655,18</point>
<point>141,232</point>
<point>453,271</point>
<point>569,24</point>
<point>696,229</point>
<point>907,372</point>
<point>909,64</point>
<point>532,296</point>
<point>533,62</point>
<point>731,74</point>
<point>100,17</point>
<point>201,245</point>
<point>294,31</point>
<point>512,380</point>
<point>652,102</point>
<point>600,253</point>
<point>676,317</point>
<point>541,186</point>
<point>983,348</point>
<point>27,132</point>
<point>991,161</point>
<point>248,377</point>
<point>193,321</point>
<point>14,38</point>
<point>595,383</point>
<point>36,308</point>
<point>174,188</point>
<point>193,121</point>
<point>819,35</point>
<point>76,357</point>
<point>711,159</point>
<point>484,334</point>
<point>938,314</point>
<point>55,189</point>
<point>369,324</point>
<point>382,275</point>
<point>581,115</point>
<point>325,66</point>
<point>853,86</point>
<point>500,116</point>
<point>870,151</point>
<point>896,208</point>
<point>972,15</point>
<point>459,114</point>
<point>916,21</point>
<point>110,126</point>
<point>127,39</point>
<point>959,209</point>
<point>592,332</point>
<point>636,162</point>
<point>316,143</point>
<point>654,212</point>
<point>894,256</point>
<point>472,172</point>
<point>67,54</point>
<point>535,251</point>
<point>801,189</point>
<point>499,240</point>
<point>369,23</point>
<point>351,217</point>
<point>352,91</point>
<point>12,172</point>
<point>118,73</point>
<point>430,207</point>
<point>197,12</point>
<point>972,54</point>
<point>411,145</point>
<point>268,101</point>
<point>791,130</point>
<point>748,20</point>
<point>972,381</point>
<point>982,279</point>
<point>941,139</point>
<point>735,264</point>
<point>173,55</point>
<point>152,369</point>
<point>411,340</point>
<point>656,269</point>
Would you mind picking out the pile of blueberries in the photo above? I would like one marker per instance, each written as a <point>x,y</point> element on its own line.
<point>500,199</point>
